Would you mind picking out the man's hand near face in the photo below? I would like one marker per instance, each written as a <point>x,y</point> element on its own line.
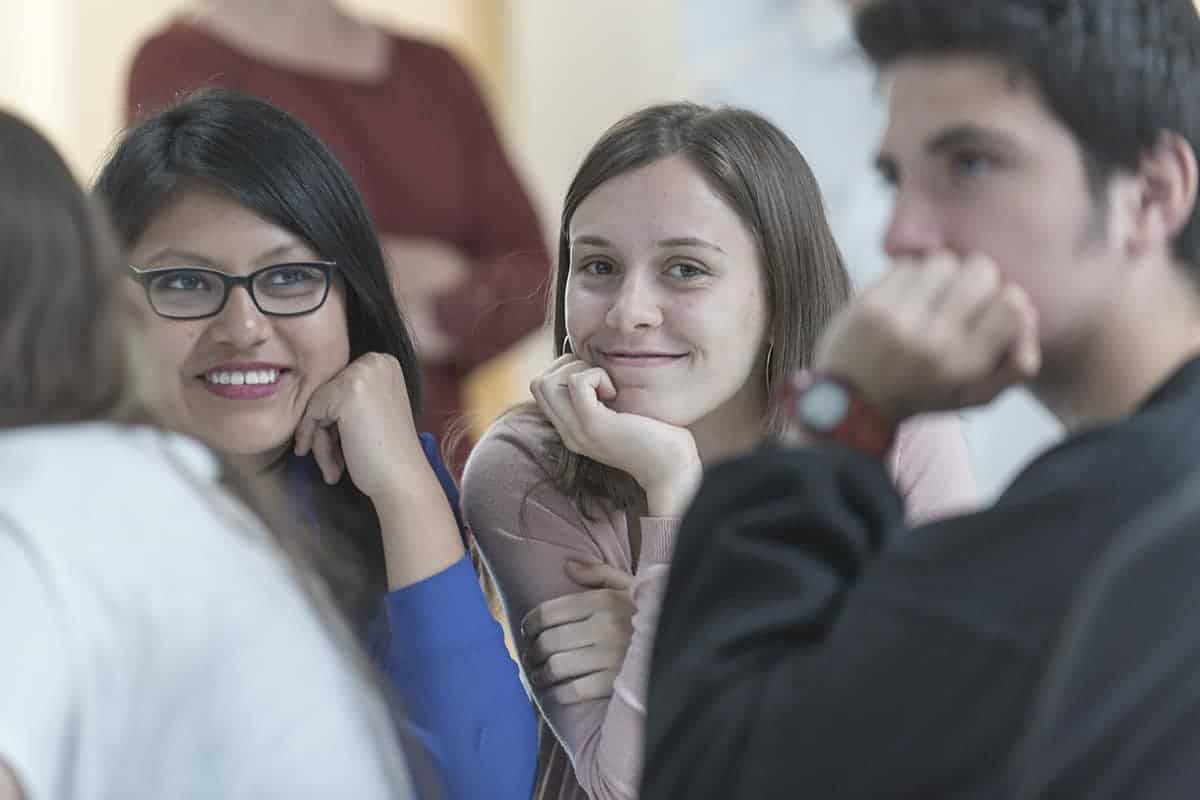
<point>936,334</point>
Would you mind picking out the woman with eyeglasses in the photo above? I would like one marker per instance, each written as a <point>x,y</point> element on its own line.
<point>276,340</point>
<point>157,639</point>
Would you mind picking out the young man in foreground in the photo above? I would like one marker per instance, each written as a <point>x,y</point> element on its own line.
<point>1044,231</point>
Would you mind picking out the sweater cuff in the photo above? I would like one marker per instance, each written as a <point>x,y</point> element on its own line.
<point>445,610</point>
<point>658,539</point>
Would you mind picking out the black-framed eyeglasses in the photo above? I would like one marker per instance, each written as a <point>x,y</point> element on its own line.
<point>280,290</point>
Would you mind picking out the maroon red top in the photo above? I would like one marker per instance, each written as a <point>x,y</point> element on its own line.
<point>420,146</point>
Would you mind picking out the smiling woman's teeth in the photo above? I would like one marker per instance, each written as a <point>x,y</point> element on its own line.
<point>254,378</point>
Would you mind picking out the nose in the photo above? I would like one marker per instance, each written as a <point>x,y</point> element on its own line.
<point>914,229</point>
<point>240,324</point>
<point>636,306</point>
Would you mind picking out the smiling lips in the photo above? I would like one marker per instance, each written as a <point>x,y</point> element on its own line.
<point>244,381</point>
<point>638,358</point>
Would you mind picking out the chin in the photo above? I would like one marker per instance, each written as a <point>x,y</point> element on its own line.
<point>241,443</point>
<point>645,405</point>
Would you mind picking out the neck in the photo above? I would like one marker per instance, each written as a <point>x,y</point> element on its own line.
<point>734,428</point>
<point>311,36</point>
<point>283,11</point>
<point>255,463</point>
<point>293,22</point>
<point>1149,331</point>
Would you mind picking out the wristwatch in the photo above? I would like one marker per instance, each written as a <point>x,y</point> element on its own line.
<point>829,408</point>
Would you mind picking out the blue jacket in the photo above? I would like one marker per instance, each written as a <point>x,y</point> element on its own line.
<point>460,692</point>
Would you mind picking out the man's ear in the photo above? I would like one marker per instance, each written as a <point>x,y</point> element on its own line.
<point>1166,194</point>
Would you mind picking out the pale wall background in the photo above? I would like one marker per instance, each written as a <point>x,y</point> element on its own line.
<point>555,73</point>
<point>63,62</point>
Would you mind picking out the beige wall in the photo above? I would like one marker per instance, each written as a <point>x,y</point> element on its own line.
<point>35,62</point>
<point>557,72</point>
<point>574,67</point>
<point>63,62</point>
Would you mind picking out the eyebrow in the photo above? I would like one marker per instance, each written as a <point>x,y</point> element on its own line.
<point>199,260</point>
<point>955,138</point>
<point>689,241</point>
<point>970,135</point>
<point>678,241</point>
<point>594,241</point>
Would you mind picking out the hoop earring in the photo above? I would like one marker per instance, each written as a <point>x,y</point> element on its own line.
<point>566,345</point>
<point>770,352</point>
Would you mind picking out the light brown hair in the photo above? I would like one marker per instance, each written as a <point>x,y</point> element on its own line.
<point>758,171</point>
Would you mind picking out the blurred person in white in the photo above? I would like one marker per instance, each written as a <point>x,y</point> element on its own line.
<point>158,640</point>
<point>797,63</point>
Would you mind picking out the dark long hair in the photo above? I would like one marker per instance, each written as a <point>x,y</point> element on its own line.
<point>759,172</point>
<point>273,165</point>
<point>68,345</point>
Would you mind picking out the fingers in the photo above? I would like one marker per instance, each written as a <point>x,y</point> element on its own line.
<point>321,412</point>
<point>306,431</point>
<point>597,686</point>
<point>941,289</point>
<point>971,293</point>
<point>606,390</point>
<point>1008,328</point>
<point>585,390</point>
<point>598,576</point>
<point>304,435</point>
<point>570,394</point>
<point>564,364</point>
<point>570,665</point>
<point>549,388</point>
<point>936,333</point>
<point>930,283</point>
<point>562,610</point>
<point>605,620</point>
<point>328,453</point>
<point>560,639</point>
<point>1027,355</point>
<point>1010,325</point>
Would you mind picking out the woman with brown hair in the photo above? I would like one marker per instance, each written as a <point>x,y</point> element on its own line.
<point>135,588</point>
<point>695,271</point>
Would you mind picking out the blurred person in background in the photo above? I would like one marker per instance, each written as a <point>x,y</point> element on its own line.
<point>273,337</point>
<point>1044,231</point>
<point>695,269</point>
<point>462,242</point>
<point>158,640</point>
<point>797,63</point>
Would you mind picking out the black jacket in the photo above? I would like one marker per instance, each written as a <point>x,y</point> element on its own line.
<point>812,646</point>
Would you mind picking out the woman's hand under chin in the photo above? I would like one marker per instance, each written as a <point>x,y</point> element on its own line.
<point>661,457</point>
<point>361,422</point>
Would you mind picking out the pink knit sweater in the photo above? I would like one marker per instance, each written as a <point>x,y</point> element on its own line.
<point>527,529</point>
